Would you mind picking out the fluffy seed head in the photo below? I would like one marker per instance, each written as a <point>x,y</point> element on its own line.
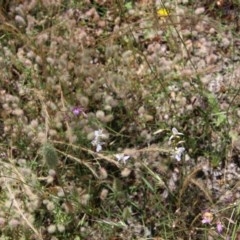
<point>51,229</point>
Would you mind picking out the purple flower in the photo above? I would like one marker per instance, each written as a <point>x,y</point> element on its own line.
<point>77,111</point>
<point>219,227</point>
<point>205,220</point>
<point>207,217</point>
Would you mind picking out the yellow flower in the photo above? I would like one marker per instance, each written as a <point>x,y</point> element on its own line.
<point>162,12</point>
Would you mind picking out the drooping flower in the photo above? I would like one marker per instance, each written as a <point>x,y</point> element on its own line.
<point>99,134</point>
<point>175,134</point>
<point>178,153</point>
<point>99,147</point>
<point>97,141</point>
<point>122,157</point>
<point>219,227</point>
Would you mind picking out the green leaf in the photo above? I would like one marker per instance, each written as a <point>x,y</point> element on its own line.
<point>128,5</point>
<point>148,184</point>
<point>220,118</point>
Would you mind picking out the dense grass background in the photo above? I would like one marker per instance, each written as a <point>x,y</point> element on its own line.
<point>119,119</point>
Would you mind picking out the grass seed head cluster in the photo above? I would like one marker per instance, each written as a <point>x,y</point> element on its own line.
<point>119,120</point>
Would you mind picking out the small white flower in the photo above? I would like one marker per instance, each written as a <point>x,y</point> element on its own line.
<point>99,134</point>
<point>97,144</point>
<point>98,148</point>
<point>97,139</point>
<point>178,153</point>
<point>122,157</point>
<point>175,133</point>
